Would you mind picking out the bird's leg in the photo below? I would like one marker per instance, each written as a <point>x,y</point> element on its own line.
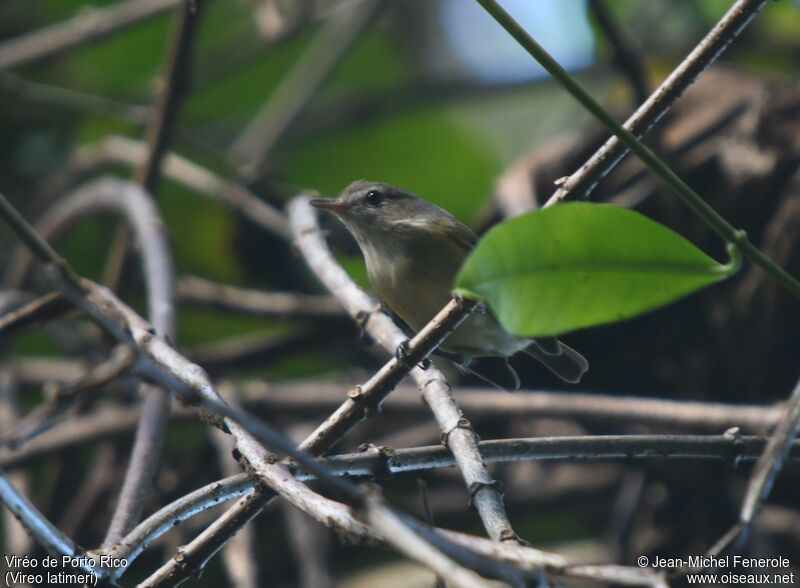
<point>401,354</point>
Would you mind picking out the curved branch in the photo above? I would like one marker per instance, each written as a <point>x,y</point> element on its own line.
<point>385,461</point>
<point>127,199</point>
<point>39,527</point>
<point>130,201</point>
<point>157,360</point>
<point>725,447</point>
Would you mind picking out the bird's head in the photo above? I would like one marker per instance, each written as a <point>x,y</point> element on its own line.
<point>374,210</point>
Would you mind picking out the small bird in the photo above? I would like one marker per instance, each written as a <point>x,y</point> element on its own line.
<point>413,250</point>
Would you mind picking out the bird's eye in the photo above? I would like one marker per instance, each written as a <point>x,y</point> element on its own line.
<point>373,198</point>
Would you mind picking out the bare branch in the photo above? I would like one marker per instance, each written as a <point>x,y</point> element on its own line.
<point>88,26</point>
<point>583,406</point>
<point>769,465</point>
<point>626,57</point>
<point>180,510</point>
<point>41,310</point>
<point>113,196</point>
<point>16,539</point>
<point>162,122</point>
<point>239,554</point>
<point>35,243</point>
<point>159,361</point>
<point>68,99</point>
<point>61,394</point>
<point>39,527</point>
<point>176,85</point>
<point>320,397</point>
<point>106,424</point>
<point>580,184</point>
<point>130,201</point>
<point>727,447</point>
<point>457,431</point>
<point>123,150</point>
<point>300,86</point>
<point>195,290</point>
<point>300,398</point>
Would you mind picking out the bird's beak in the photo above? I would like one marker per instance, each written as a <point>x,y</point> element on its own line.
<point>329,204</point>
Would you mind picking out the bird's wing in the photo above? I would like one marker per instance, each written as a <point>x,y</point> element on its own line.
<point>463,236</point>
<point>569,365</point>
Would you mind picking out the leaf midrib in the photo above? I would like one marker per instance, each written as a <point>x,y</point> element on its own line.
<point>642,268</point>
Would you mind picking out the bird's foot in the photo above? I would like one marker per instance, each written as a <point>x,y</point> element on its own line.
<point>401,354</point>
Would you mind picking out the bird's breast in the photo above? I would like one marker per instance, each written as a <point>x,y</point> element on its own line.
<point>414,282</point>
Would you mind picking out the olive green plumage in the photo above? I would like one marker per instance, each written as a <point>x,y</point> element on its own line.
<point>413,250</point>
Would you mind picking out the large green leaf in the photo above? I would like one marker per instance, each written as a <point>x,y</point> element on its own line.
<point>579,265</point>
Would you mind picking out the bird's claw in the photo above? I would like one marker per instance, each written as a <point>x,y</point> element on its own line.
<point>401,354</point>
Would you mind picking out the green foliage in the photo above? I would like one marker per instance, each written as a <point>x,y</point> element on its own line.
<point>580,265</point>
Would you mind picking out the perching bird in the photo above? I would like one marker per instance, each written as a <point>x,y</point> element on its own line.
<point>413,250</point>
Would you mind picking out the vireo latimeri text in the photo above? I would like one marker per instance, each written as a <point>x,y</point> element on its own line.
<point>413,250</point>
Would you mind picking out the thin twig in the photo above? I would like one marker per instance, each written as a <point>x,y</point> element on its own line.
<point>106,424</point>
<point>302,398</point>
<point>722,34</point>
<point>766,470</point>
<point>157,360</point>
<point>16,538</point>
<point>483,403</point>
<point>66,98</point>
<point>45,533</point>
<point>582,182</point>
<point>61,395</point>
<point>732,449</point>
<point>163,121</point>
<point>88,26</point>
<point>36,244</point>
<point>626,57</point>
<point>41,310</point>
<point>288,101</point>
<point>199,291</point>
<point>239,555</point>
<point>117,149</point>
<point>457,431</point>
<point>366,398</point>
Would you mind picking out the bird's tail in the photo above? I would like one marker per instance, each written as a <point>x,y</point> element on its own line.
<point>493,370</point>
<point>564,361</point>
